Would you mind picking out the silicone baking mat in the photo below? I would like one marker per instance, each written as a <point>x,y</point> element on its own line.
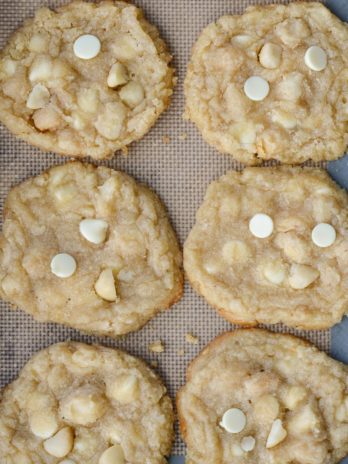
<point>174,161</point>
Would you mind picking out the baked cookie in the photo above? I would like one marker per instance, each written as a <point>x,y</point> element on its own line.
<point>74,403</point>
<point>271,245</point>
<point>85,80</point>
<point>254,396</point>
<point>90,248</point>
<point>272,83</point>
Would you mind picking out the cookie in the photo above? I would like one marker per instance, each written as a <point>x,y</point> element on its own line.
<point>74,403</point>
<point>90,248</point>
<point>271,245</point>
<point>253,396</point>
<point>272,84</point>
<point>85,80</point>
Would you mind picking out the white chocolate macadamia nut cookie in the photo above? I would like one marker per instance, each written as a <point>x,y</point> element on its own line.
<point>85,80</point>
<point>74,403</point>
<point>89,248</point>
<point>271,245</point>
<point>293,400</point>
<point>272,84</point>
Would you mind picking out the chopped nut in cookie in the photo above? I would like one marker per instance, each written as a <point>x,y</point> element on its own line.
<point>61,443</point>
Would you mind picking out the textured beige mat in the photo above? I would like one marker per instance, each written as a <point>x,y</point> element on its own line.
<point>179,171</point>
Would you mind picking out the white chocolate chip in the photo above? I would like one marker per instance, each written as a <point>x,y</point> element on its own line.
<point>270,56</point>
<point>323,235</point>
<point>132,94</point>
<point>38,97</point>
<point>41,69</point>
<point>256,88</point>
<point>125,389</point>
<point>110,121</point>
<point>275,272</point>
<point>248,443</point>
<point>295,248</point>
<point>105,285</point>
<point>87,99</point>
<point>46,119</point>
<point>43,424</point>
<point>233,420</point>
<point>117,76</point>
<point>61,443</point>
<point>63,265</point>
<point>9,67</point>
<point>266,408</point>
<point>292,31</point>
<point>261,225</point>
<point>87,46</point>
<point>83,408</point>
<point>315,58</point>
<point>294,396</point>
<point>65,193</point>
<point>94,230</point>
<point>304,421</point>
<point>301,276</point>
<point>86,357</point>
<point>113,455</point>
<point>276,435</point>
<point>38,43</point>
<point>242,40</point>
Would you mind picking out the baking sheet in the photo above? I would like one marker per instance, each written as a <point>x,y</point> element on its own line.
<point>174,161</point>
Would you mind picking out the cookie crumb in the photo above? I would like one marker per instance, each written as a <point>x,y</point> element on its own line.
<point>166,139</point>
<point>157,346</point>
<point>183,136</point>
<point>191,339</point>
<point>181,352</point>
<point>154,363</point>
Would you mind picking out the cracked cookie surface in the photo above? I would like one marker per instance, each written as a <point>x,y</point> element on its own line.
<point>52,98</point>
<point>304,114</point>
<point>89,248</point>
<point>293,400</point>
<point>284,276</point>
<point>75,403</point>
